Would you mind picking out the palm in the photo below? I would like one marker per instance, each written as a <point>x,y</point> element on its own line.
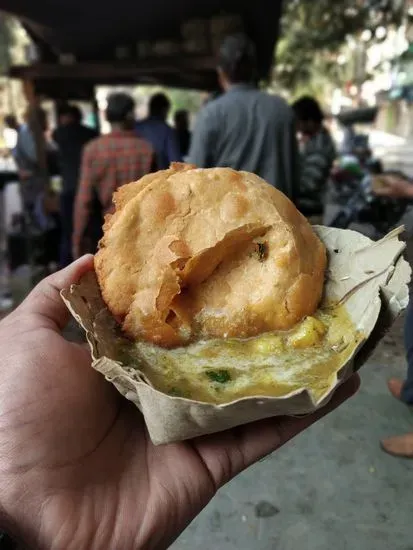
<point>85,452</point>
<point>67,419</point>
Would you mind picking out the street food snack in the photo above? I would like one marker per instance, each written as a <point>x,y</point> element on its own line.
<point>272,364</point>
<point>194,254</point>
<point>244,311</point>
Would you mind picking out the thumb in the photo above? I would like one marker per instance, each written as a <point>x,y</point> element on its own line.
<point>45,299</point>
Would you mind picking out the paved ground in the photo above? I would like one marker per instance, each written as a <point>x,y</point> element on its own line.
<point>331,487</point>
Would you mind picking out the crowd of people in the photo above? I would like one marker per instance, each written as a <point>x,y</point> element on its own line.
<point>91,167</point>
<point>242,127</point>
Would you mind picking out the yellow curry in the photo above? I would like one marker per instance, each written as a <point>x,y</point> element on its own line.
<point>272,364</point>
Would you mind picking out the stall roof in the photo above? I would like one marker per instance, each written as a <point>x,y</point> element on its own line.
<point>172,43</point>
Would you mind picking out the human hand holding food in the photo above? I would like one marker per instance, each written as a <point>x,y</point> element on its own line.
<point>77,468</point>
<point>215,303</point>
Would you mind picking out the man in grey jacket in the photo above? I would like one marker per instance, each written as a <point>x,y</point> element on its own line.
<point>245,128</point>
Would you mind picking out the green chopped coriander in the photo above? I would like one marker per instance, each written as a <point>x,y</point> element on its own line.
<point>221,376</point>
<point>175,392</point>
<point>262,251</point>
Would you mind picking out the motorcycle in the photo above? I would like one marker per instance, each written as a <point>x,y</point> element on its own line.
<point>351,196</point>
<point>366,212</point>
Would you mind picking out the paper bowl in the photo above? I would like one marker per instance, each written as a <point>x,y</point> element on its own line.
<point>369,277</point>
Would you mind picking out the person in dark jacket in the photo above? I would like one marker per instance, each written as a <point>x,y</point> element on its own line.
<point>317,155</point>
<point>70,137</point>
<point>156,131</point>
<point>182,131</point>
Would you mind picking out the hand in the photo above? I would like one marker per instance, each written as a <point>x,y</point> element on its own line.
<point>396,187</point>
<point>77,469</point>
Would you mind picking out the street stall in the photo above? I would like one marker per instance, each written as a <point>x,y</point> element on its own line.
<point>85,43</point>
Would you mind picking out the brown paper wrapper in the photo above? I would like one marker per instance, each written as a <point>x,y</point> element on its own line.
<point>369,277</point>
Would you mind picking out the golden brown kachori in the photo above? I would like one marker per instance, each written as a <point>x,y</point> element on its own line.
<point>193,254</point>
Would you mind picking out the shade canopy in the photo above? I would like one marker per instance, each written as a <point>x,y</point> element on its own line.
<point>81,43</point>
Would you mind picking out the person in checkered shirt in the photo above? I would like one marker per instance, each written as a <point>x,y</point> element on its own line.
<point>108,162</point>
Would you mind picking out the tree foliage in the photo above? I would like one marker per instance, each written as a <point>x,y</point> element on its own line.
<point>312,33</point>
<point>6,40</point>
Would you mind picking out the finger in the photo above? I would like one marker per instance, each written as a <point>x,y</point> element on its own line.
<point>45,299</point>
<point>228,453</point>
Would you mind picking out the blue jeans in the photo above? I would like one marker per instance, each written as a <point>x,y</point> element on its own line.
<point>407,391</point>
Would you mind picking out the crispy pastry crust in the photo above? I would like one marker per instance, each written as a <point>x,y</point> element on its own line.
<point>203,253</point>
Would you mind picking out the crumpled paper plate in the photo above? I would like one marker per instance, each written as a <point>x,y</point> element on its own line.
<point>370,278</point>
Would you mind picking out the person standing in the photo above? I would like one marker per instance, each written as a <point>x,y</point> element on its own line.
<point>32,169</point>
<point>70,137</point>
<point>245,128</point>
<point>397,187</point>
<point>317,155</point>
<point>158,133</point>
<point>108,162</point>
<point>182,131</point>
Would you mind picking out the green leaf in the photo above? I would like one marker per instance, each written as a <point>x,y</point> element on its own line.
<point>311,29</point>
<point>221,376</point>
